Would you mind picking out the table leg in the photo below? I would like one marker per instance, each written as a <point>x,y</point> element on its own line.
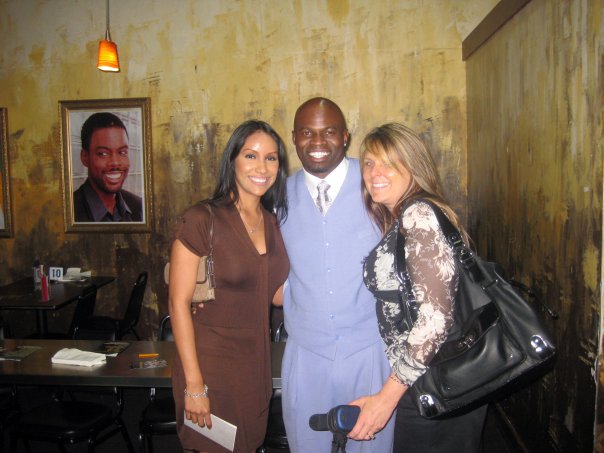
<point>41,323</point>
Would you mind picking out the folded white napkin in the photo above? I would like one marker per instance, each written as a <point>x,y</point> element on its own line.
<point>71,356</point>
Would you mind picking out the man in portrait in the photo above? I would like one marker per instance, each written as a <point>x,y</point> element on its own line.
<point>105,154</point>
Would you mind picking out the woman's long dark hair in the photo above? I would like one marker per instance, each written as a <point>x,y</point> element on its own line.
<point>275,198</point>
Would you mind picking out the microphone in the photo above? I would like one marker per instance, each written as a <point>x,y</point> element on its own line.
<point>340,419</point>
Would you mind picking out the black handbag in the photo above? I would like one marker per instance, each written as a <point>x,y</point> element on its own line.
<point>497,343</point>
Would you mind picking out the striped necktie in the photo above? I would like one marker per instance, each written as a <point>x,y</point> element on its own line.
<point>323,201</point>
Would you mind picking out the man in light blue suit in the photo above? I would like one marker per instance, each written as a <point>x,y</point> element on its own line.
<point>334,353</point>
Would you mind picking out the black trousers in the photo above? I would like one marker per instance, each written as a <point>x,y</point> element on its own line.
<point>415,434</point>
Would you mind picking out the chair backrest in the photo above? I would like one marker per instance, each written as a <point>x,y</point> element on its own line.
<point>4,333</point>
<point>133,310</point>
<point>84,309</point>
<point>165,329</point>
<point>93,334</point>
<point>280,333</point>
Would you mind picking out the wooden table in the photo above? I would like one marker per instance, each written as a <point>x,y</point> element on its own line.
<point>37,368</point>
<point>20,295</point>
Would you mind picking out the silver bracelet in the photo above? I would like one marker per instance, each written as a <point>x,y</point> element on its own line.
<point>203,394</point>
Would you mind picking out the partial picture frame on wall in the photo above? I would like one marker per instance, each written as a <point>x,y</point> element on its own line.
<point>106,162</point>
<point>6,213</point>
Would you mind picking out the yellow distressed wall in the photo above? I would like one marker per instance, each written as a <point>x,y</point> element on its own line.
<point>207,65</point>
<point>535,104</point>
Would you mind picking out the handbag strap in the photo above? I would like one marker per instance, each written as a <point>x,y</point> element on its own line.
<point>464,255</point>
<point>404,278</point>
<point>211,228</point>
<point>466,258</point>
<point>210,257</point>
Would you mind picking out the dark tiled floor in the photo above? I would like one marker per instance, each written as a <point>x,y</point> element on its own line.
<point>495,440</point>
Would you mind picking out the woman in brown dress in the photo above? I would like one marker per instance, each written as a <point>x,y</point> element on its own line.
<point>223,363</point>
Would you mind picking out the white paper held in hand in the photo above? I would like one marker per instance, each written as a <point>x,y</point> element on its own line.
<point>222,432</point>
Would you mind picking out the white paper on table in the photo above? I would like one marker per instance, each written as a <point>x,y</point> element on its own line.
<point>72,356</point>
<point>222,432</point>
<point>74,274</point>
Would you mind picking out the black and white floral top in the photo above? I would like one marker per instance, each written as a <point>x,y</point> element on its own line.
<point>431,267</point>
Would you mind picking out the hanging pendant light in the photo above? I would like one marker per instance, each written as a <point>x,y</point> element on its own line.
<point>108,60</point>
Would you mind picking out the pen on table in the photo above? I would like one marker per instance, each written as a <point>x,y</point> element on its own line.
<point>148,356</point>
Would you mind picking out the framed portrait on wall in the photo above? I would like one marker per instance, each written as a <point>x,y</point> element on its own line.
<point>6,218</point>
<point>106,165</point>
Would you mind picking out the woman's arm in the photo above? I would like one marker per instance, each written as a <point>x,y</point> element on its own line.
<point>278,297</point>
<point>431,266</point>
<point>377,409</point>
<point>183,277</point>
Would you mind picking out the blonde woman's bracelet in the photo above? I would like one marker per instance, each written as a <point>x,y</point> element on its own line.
<point>203,394</point>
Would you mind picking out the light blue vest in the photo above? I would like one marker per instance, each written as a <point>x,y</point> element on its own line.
<point>328,310</point>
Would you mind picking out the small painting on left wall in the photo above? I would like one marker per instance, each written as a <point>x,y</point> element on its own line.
<point>6,215</point>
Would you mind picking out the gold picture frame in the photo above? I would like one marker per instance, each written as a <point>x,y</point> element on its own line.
<point>6,213</point>
<point>107,188</point>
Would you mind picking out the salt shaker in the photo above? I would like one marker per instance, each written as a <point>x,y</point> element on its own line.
<point>37,275</point>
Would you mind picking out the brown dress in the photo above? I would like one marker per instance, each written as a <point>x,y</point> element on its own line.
<point>232,332</point>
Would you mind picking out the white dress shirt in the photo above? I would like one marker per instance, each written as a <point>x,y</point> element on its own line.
<point>335,180</point>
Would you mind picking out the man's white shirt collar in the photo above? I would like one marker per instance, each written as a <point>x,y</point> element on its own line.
<point>335,180</point>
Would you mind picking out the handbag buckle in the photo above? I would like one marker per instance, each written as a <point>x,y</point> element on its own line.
<point>542,349</point>
<point>465,342</point>
<point>466,257</point>
<point>210,272</point>
<point>428,405</point>
<point>455,240</point>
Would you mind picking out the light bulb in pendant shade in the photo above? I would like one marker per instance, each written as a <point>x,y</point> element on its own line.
<point>108,60</point>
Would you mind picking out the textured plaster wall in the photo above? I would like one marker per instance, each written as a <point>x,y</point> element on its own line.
<point>535,93</point>
<point>207,65</point>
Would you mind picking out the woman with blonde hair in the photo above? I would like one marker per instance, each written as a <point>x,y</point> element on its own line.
<point>399,173</point>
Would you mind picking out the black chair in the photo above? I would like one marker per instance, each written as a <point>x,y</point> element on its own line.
<point>7,396</point>
<point>159,416</point>
<point>4,329</point>
<point>83,310</point>
<point>94,334</point>
<point>280,334</point>
<point>70,422</point>
<point>8,409</point>
<point>276,438</point>
<point>128,323</point>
